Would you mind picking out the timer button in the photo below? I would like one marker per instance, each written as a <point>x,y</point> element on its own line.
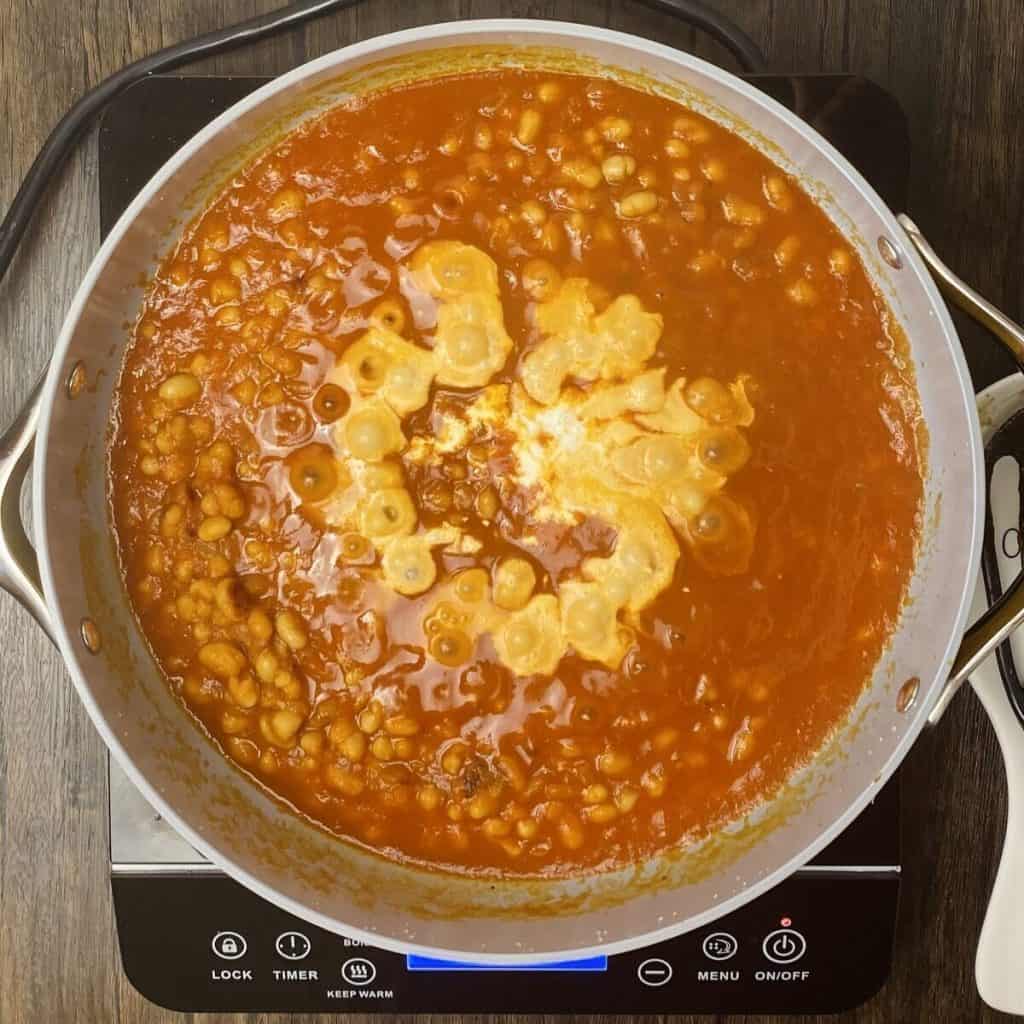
<point>784,946</point>
<point>293,946</point>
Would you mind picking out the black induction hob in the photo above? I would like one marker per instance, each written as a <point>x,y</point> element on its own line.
<point>192,939</point>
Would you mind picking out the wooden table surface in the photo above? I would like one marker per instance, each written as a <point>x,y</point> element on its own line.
<point>955,65</point>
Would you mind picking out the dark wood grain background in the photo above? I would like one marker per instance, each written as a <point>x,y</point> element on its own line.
<point>957,66</point>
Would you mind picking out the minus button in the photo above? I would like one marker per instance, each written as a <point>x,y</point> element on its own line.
<point>654,972</point>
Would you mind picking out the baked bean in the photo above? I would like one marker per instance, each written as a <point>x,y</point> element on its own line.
<point>229,599</point>
<point>654,782</point>
<point>180,390</point>
<point>343,780</point>
<point>481,806</point>
<point>453,760</point>
<point>840,262</point>
<point>705,262</point>
<point>353,746</point>
<point>582,172</point>
<point>802,293</point>
<point>691,130</point>
<point>312,742</point>
<point>291,629</point>
<point>614,763</point>
<point>626,798</point>
<point>713,169</point>
<point>677,149</point>
<point>222,659</point>
<point>741,212</point>
<point>429,797</point>
<point>529,127</point>
<point>214,528</point>
<point>778,193</point>
<point>786,250</point>
<point>370,720</point>
<point>223,289</point>
<point>601,814</point>
<point>534,212</point>
<point>244,392</point>
<point>618,167</point>
<point>244,690</point>
<point>401,725</point>
<point>637,204</point>
<point>483,137</point>
<point>232,723</point>
<point>615,129</point>
<point>549,92</point>
<point>267,665</point>
<point>570,832</point>
<point>261,629</point>
<point>286,203</point>
<point>540,280</point>
<point>527,828</point>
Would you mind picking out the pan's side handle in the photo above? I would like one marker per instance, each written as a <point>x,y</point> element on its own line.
<point>1007,614</point>
<point>964,296</point>
<point>19,568</point>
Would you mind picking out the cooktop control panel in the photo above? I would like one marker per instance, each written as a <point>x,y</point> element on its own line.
<point>204,943</point>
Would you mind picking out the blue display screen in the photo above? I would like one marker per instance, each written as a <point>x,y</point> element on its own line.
<point>427,963</point>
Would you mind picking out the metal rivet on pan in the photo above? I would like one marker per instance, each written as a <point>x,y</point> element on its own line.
<point>889,252</point>
<point>907,696</point>
<point>76,380</point>
<point>91,636</point>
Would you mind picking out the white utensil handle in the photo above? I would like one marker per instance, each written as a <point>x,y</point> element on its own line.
<point>998,968</point>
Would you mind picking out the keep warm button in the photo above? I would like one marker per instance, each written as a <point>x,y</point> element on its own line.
<point>784,946</point>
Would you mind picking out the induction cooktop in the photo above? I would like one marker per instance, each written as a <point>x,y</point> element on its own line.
<point>192,939</point>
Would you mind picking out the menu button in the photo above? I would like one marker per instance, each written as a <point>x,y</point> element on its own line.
<point>720,946</point>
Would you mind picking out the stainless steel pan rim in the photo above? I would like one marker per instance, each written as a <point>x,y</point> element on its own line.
<point>914,276</point>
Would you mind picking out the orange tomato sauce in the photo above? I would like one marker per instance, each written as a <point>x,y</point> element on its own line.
<point>516,473</point>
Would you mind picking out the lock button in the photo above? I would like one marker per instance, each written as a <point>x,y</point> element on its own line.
<point>228,945</point>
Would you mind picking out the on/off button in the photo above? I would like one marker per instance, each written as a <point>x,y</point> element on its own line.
<point>784,946</point>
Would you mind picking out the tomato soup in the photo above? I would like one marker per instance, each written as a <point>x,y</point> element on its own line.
<point>516,473</point>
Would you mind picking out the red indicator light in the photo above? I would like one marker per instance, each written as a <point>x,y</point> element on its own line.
<point>786,922</point>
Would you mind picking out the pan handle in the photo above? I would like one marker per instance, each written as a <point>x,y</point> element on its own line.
<point>1007,614</point>
<point>19,567</point>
